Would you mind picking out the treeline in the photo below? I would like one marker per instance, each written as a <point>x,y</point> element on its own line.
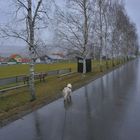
<point>96,28</point>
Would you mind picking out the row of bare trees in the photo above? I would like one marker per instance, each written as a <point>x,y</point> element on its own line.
<point>96,28</point>
<point>92,28</point>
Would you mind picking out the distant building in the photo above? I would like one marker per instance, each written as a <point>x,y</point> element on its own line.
<point>58,55</point>
<point>44,59</point>
<point>49,58</point>
<point>15,58</point>
<point>26,60</point>
<point>3,60</point>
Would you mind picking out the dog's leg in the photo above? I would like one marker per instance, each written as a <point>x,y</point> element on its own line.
<point>69,98</point>
<point>65,97</point>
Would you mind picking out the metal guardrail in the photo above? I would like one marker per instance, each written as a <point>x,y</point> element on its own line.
<point>17,80</point>
<point>11,80</point>
<point>56,72</point>
<point>12,88</point>
<point>66,74</point>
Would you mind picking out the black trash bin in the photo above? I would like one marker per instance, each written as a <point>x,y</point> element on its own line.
<point>80,65</point>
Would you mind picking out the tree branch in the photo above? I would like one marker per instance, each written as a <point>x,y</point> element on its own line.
<point>36,11</point>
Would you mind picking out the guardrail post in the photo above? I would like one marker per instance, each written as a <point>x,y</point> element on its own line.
<point>17,80</point>
<point>57,71</point>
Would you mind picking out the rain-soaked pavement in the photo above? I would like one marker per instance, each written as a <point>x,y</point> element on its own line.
<point>106,109</point>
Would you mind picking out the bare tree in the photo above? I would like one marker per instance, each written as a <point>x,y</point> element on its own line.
<point>29,16</point>
<point>100,25</point>
<point>74,26</point>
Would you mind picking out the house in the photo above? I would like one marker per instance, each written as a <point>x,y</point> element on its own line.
<point>48,58</point>
<point>3,60</point>
<point>26,60</point>
<point>15,59</point>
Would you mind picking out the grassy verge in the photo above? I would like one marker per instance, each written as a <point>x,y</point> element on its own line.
<point>15,103</point>
<point>14,70</point>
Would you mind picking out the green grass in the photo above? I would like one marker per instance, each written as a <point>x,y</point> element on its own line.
<point>14,70</point>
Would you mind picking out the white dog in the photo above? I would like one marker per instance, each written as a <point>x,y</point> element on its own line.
<point>66,92</point>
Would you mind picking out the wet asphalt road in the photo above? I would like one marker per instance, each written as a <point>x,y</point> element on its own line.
<point>106,109</point>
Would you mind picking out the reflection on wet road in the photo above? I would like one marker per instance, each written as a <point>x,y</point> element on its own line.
<point>106,109</point>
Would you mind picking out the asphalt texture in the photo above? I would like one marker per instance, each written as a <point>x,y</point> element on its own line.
<point>106,109</point>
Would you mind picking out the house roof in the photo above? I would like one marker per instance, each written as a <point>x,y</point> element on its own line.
<point>15,56</point>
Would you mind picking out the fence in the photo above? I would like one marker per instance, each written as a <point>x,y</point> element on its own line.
<point>11,80</point>
<point>20,79</point>
<point>56,72</point>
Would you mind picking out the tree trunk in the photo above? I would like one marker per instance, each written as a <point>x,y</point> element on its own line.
<point>101,32</point>
<point>85,35</point>
<point>84,66</point>
<point>31,50</point>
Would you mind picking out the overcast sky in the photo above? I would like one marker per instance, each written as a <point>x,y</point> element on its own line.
<point>10,46</point>
<point>133,10</point>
